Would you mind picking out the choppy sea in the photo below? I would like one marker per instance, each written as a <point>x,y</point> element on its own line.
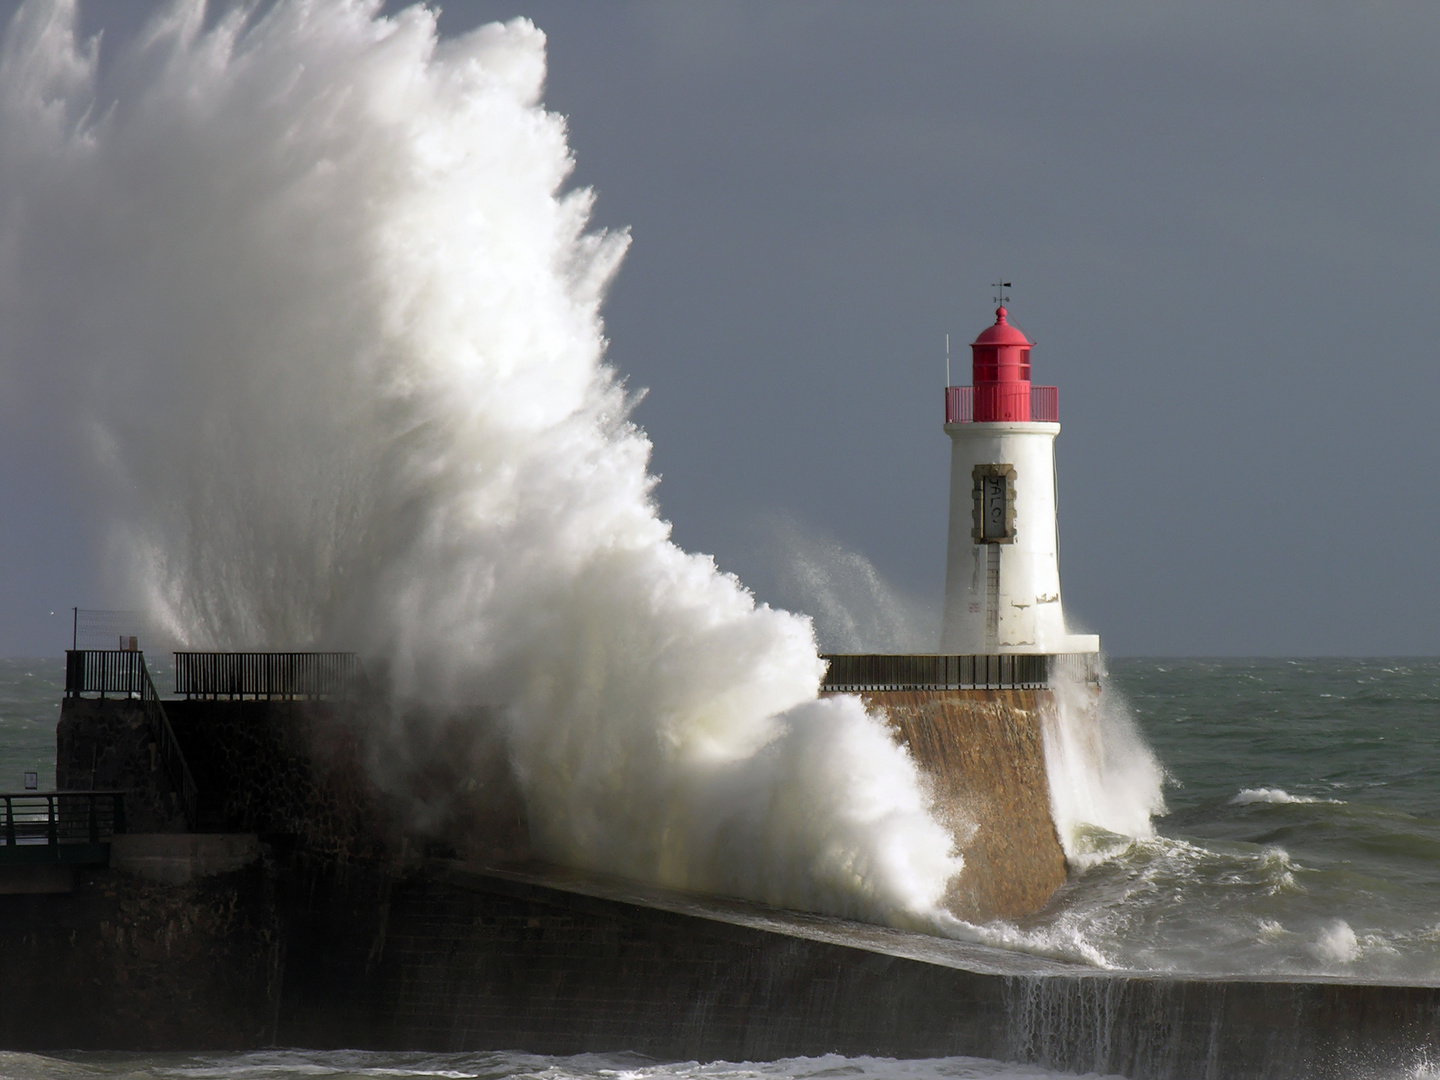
<point>1303,825</point>
<point>1302,835</point>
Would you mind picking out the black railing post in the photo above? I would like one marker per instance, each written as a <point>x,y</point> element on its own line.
<point>9,822</point>
<point>94,819</point>
<point>54,832</point>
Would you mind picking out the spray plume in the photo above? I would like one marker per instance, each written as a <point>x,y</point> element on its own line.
<point>853,607</point>
<point>304,286</point>
<point>1106,785</point>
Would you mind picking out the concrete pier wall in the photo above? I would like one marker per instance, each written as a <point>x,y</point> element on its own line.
<point>453,958</point>
<point>297,772</point>
<point>179,858</point>
<point>106,744</point>
<point>119,962</point>
<point>440,956</point>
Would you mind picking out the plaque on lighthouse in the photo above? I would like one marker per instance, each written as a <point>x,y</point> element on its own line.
<point>994,504</point>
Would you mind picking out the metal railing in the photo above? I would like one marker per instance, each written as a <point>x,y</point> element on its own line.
<point>267,675</point>
<point>1077,667</point>
<point>120,671</point>
<point>169,749</point>
<point>59,826</point>
<point>853,672</point>
<point>1045,404</point>
<point>103,671</point>
<point>960,404</point>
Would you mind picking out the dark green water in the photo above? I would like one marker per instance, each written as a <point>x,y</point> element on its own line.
<point>30,692</point>
<point>1303,824</point>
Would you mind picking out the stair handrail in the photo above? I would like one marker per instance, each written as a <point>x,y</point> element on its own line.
<point>169,746</point>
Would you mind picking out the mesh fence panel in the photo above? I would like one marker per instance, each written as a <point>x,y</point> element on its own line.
<point>95,629</point>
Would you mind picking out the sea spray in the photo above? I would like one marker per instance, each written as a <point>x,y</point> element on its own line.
<point>304,288</point>
<point>1105,783</point>
<point>854,608</point>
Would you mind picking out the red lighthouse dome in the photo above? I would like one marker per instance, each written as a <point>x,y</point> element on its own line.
<point>1001,371</point>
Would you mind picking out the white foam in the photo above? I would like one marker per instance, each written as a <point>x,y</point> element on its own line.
<point>1066,938</point>
<point>503,1065</point>
<point>854,608</point>
<point>1337,942</point>
<point>1271,930</point>
<point>308,293</point>
<point>1103,777</point>
<point>1248,796</point>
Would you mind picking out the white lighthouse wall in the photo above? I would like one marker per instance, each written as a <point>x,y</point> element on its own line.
<point>1031,618</point>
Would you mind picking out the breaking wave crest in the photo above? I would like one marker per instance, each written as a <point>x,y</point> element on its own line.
<point>1248,796</point>
<point>305,287</point>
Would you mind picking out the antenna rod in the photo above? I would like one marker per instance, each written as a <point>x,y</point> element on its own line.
<point>947,359</point>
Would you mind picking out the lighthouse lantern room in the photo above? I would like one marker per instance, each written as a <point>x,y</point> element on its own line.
<point>1002,574</point>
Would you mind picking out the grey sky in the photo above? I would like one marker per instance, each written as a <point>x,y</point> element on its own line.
<point>1220,222</point>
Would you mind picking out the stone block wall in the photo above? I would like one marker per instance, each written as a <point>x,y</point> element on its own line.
<point>984,752</point>
<point>105,744</point>
<point>293,769</point>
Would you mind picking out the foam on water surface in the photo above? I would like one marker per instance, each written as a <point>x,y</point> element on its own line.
<point>1273,795</point>
<point>1298,839</point>
<point>347,1064</point>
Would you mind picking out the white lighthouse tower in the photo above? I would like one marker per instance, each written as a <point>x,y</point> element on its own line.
<point>1002,573</point>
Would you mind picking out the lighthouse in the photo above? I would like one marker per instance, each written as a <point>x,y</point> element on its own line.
<point>979,714</point>
<point>1002,571</point>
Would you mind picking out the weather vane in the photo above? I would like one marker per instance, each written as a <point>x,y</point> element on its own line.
<point>1001,296</point>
